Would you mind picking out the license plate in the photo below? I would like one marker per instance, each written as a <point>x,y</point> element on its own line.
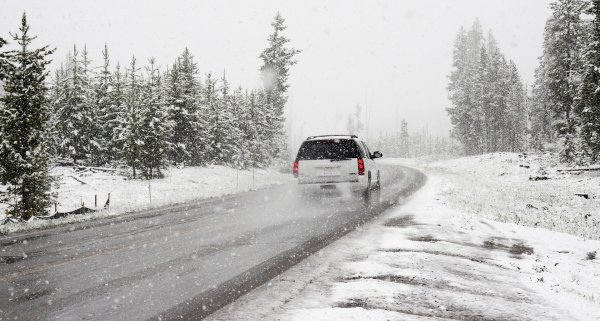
<point>325,172</point>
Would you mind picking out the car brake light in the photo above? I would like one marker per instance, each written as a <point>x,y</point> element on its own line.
<point>361,166</point>
<point>295,168</point>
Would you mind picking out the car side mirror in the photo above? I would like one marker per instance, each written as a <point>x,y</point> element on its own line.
<point>377,154</point>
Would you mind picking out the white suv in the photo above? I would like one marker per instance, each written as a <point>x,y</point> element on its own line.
<point>337,162</point>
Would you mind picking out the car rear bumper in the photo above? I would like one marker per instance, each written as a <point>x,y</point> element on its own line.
<point>314,186</point>
<point>333,179</point>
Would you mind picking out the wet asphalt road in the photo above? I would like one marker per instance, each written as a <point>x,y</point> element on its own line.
<point>179,262</point>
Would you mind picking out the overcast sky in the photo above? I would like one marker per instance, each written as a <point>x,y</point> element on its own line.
<point>391,56</point>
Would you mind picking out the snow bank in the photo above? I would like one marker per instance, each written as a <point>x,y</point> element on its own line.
<point>126,195</point>
<point>524,189</point>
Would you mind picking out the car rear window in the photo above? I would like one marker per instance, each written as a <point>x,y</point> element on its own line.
<point>328,149</point>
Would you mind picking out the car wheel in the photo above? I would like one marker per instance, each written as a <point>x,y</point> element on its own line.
<point>367,192</point>
<point>376,194</point>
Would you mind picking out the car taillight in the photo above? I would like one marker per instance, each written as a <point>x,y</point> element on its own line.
<point>295,169</point>
<point>361,166</point>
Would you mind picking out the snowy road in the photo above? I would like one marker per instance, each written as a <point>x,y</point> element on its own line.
<point>178,261</point>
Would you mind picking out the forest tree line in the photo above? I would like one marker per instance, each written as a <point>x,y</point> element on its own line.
<point>488,111</point>
<point>491,110</point>
<point>565,100</point>
<point>148,118</point>
<point>137,115</point>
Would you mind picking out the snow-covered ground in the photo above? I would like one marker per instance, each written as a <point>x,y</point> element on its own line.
<point>503,187</point>
<point>431,259</point>
<point>126,195</point>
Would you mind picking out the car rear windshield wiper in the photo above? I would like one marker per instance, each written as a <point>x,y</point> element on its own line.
<point>339,159</point>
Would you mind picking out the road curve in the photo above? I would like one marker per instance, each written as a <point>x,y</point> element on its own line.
<point>178,262</point>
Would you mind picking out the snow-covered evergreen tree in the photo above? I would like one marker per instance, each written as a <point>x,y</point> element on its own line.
<point>516,126</point>
<point>93,132</point>
<point>76,113</point>
<point>183,98</point>
<point>277,59</point>
<point>250,127</point>
<point>155,127</point>
<point>25,128</point>
<point>540,114</point>
<point>254,130</point>
<point>56,99</point>
<point>239,110</point>
<point>481,103</point>
<point>229,108</point>
<point>589,92</point>
<point>487,112</point>
<point>214,123</point>
<point>564,38</point>
<point>132,132</point>
<point>474,85</point>
<point>114,117</point>
<point>105,119</point>
<point>496,111</point>
<point>464,93</point>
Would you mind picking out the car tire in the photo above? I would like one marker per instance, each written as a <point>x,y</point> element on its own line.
<point>376,194</point>
<point>367,193</point>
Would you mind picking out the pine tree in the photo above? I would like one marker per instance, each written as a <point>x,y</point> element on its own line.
<point>155,128</point>
<point>3,75</point>
<point>76,114</point>
<point>93,129</point>
<point>257,129</point>
<point>563,42</point>
<point>277,59</point>
<point>474,86</point>
<point>114,117</point>
<point>56,99</point>
<point>183,98</point>
<point>105,115</point>
<point>131,135</point>
<point>589,92</point>
<point>465,89</point>
<point>540,114</point>
<point>214,126</point>
<point>482,108</point>
<point>516,126</point>
<point>229,107</point>
<point>267,143</point>
<point>250,127</point>
<point>24,127</point>
<point>495,114</point>
<point>239,110</point>
<point>487,96</point>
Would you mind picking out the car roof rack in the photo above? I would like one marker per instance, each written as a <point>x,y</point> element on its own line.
<point>319,136</point>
